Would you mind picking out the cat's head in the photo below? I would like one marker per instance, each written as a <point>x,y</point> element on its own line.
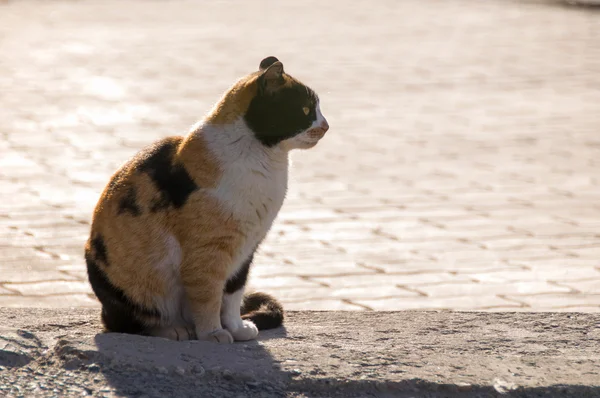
<point>277,109</point>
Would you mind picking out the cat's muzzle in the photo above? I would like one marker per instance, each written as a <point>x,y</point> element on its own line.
<point>317,133</point>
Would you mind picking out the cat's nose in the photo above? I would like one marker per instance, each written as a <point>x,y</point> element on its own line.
<point>324,126</point>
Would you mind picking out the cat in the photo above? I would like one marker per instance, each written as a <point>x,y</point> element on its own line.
<point>175,230</point>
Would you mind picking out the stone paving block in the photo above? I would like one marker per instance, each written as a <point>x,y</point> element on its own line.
<point>331,268</point>
<point>406,214</point>
<point>72,267</point>
<point>34,260</point>
<point>50,287</point>
<point>438,232</point>
<point>566,264</point>
<point>583,308</point>
<point>260,269</point>
<point>589,252</point>
<point>420,247</point>
<point>50,301</point>
<point>4,291</point>
<point>480,267</point>
<point>382,279</point>
<point>331,265</point>
<point>382,252</point>
<point>325,293</point>
<point>503,256</point>
<point>309,216</point>
<point>472,256</point>
<point>555,274</point>
<point>477,289</point>
<point>372,292</point>
<point>347,201</point>
<point>334,232</point>
<point>586,286</point>
<point>285,294</point>
<point>473,225</point>
<point>309,247</point>
<point>79,275</point>
<point>393,266</point>
<point>282,282</point>
<point>550,243</point>
<point>322,305</point>
<point>22,274</point>
<point>486,302</point>
<point>558,301</point>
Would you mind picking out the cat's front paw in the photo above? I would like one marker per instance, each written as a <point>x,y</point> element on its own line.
<point>217,336</point>
<point>243,330</point>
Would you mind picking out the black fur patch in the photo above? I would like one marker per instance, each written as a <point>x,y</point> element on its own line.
<point>128,203</point>
<point>262,309</point>
<point>100,249</point>
<point>173,181</point>
<point>160,202</point>
<point>238,281</point>
<point>276,116</point>
<point>119,313</point>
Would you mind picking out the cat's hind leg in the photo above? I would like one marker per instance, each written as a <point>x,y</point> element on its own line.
<point>178,333</point>
<point>203,286</point>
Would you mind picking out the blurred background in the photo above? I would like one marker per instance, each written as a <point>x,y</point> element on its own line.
<point>461,170</point>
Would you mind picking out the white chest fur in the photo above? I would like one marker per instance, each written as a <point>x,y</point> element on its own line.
<point>253,184</point>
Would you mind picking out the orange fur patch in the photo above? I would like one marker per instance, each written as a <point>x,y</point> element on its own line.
<point>235,102</point>
<point>200,162</point>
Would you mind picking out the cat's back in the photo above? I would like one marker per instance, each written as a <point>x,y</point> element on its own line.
<point>156,179</point>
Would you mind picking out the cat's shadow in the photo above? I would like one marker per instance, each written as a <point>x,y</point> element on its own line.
<point>151,366</point>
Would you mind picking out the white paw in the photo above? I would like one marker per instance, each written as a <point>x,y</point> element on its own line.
<point>217,336</point>
<point>243,330</point>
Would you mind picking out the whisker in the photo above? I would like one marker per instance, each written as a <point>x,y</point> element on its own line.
<point>236,141</point>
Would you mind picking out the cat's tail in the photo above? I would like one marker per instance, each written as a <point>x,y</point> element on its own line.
<point>262,309</point>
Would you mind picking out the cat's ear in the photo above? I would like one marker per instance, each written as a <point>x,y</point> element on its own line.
<point>265,63</point>
<point>272,77</point>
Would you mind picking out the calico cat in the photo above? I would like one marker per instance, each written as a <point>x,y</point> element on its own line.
<point>175,230</point>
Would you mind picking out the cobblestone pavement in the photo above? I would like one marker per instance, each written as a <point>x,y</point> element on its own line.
<point>461,171</point>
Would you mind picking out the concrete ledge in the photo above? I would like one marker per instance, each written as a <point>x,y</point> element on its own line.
<point>50,352</point>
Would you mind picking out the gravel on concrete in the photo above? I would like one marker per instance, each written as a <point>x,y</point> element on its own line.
<point>62,352</point>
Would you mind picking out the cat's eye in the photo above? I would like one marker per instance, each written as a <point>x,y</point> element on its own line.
<point>306,110</point>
